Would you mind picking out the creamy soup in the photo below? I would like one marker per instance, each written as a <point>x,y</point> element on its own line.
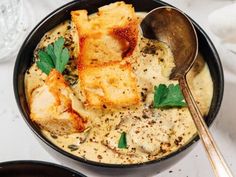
<point>151,133</point>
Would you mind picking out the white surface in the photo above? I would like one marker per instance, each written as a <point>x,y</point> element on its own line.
<point>18,143</point>
<point>13,26</point>
<point>223,23</point>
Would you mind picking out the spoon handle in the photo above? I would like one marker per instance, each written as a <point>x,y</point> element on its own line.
<point>217,161</point>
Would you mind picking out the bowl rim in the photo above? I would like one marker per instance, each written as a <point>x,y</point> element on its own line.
<point>107,165</point>
<point>38,163</point>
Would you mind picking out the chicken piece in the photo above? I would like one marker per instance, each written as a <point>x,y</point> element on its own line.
<point>111,85</point>
<point>143,135</point>
<point>111,141</point>
<point>112,32</point>
<point>52,106</point>
<point>151,136</point>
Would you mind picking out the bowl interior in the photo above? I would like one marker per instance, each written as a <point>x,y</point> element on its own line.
<point>24,60</point>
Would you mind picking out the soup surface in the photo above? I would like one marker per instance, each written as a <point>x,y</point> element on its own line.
<point>151,133</point>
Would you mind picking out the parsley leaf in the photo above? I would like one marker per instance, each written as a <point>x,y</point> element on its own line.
<point>54,56</point>
<point>58,46</point>
<point>122,141</point>
<point>44,57</point>
<point>171,96</point>
<point>64,59</point>
<point>45,67</point>
<point>49,49</point>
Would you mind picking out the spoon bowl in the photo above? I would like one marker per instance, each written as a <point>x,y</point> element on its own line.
<point>169,25</point>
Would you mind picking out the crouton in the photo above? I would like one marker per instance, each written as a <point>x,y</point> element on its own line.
<point>94,49</point>
<point>111,33</point>
<point>113,15</point>
<point>51,107</point>
<point>109,85</point>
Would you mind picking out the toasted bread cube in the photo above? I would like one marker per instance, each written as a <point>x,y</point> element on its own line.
<point>111,85</point>
<point>94,50</point>
<point>51,106</point>
<point>110,34</point>
<point>81,21</point>
<point>113,15</point>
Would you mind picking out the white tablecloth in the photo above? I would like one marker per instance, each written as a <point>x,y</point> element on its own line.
<point>18,143</point>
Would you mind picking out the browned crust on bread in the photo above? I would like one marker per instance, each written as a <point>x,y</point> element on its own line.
<point>94,49</point>
<point>104,41</point>
<point>117,21</point>
<point>76,17</point>
<point>97,83</point>
<point>128,33</point>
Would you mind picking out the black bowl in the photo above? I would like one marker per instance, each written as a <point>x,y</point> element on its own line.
<point>24,60</point>
<point>35,169</point>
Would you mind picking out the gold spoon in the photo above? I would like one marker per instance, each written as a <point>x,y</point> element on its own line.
<point>169,25</point>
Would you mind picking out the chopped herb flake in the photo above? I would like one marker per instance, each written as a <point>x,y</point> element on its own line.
<point>122,141</point>
<point>73,147</point>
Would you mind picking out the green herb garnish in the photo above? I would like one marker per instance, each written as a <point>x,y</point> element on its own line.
<point>171,96</point>
<point>122,141</point>
<point>54,56</point>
